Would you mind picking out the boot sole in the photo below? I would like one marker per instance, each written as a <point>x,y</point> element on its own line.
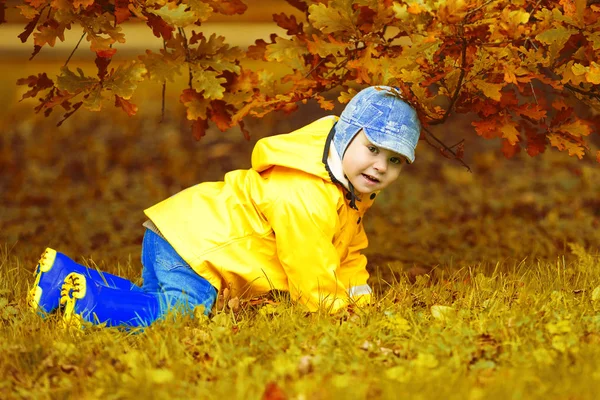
<point>73,289</point>
<point>44,265</point>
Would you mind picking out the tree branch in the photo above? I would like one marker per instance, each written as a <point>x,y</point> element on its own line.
<point>446,148</point>
<point>75,49</point>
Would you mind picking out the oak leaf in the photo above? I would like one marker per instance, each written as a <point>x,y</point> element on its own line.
<point>559,35</point>
<point>199,127</point>
<point>159,27</point>
<point>36,83</point>
<point>195,104</point>
<point>202,10</point>
<point>510,132</point>
<point>162,67</point>
<point>130,108</point>
<point>28,11</point>
<point>176,15</point>
<point>288,23</point>
<point>227,7</point>
<point>561,143</point>
<point>124,81</point>
<point>220,115</point>
<point>208,83</point>
<point>94,99</point>
<point>487,128</point>
<point>593,73</point>
<point>337,16</point>
<point>577,128</point>
<point>288,51</point>
<point>74,83</point>
<point>491,90</point>
<point>510,150</point>
<point>345,97</point>
<point>323,48</point>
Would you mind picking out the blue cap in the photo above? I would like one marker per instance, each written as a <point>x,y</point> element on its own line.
<point>388,122</point>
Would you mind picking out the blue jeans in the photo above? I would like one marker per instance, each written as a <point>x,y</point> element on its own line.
<point>166,275</point>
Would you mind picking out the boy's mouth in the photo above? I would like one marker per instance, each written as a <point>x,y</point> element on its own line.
<point>371,178</point>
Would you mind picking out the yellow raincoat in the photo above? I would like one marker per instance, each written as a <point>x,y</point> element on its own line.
<point>284,224</point>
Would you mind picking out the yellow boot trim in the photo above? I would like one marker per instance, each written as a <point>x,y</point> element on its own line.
<point>45,264</point>
<point>73,289</point>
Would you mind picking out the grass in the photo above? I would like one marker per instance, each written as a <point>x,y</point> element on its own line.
<point>486,282</point>
<point>529,330</point>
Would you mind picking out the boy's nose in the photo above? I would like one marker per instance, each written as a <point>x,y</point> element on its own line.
<point>381,166</point>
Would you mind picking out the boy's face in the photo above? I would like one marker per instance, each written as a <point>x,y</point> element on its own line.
<point>368,167</point>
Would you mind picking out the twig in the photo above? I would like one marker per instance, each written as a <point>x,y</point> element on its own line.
<point>187,55</point>
<point>75,49</point>
<point>164,90</point>
<point>445,147</point>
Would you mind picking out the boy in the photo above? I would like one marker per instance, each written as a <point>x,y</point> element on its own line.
<point>292,222</point>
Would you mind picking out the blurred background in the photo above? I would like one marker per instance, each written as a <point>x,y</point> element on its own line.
<point>81,188</point>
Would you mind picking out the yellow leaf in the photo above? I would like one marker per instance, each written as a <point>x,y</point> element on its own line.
<point>195,105</point>
<point>28,11</point>
<point>288,51</point>
<point>491,90</point>
<point>123,82</point>
<point>176,15</point>
<point>596,291</point>
<point>425,360</point>
<point>345,97</point>
<point>161,375</point>
<point>510,133</point>
<point>593,37</point>
<point>208,83</point>
<point>558,35</point>
<point>578,128</point>
<point>519,17</point>
<point>202,10</point>
<point>161,67</point>
<point>561,144</point>
<point>73,83</point>
<point>579,69</point>
<point>337,17</point>
<point>400,10</point>
<point>94,99</point>
<point>593,75</point>
<point>442,313</point>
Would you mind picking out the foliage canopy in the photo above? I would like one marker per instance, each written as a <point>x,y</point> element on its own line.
<point>524,68</point>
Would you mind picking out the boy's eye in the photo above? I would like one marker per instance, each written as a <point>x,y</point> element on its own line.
<point>396,160</point>
<point>372,149</point>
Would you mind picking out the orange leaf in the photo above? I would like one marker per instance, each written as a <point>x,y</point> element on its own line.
<point>128,107</point>
<point>486,128</point>
<point>536,143</point>
<point>273,392</point>
<point>199,128</point>
<point>219,115</point>
<point>415,8</point>
<point>598,156</point>
<point>325,104</point>
<point>510,133</point>
<point>561,143</point>
<point>533,111</point>
<point>509,150</point>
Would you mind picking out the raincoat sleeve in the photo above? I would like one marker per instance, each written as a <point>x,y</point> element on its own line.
<point>304,219</point>
<point>353,270</point>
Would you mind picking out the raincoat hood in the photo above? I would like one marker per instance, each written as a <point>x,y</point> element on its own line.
<point>296,150</point>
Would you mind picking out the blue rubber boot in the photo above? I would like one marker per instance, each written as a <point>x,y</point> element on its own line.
<point>86,301</point>
<point>50,274</point>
